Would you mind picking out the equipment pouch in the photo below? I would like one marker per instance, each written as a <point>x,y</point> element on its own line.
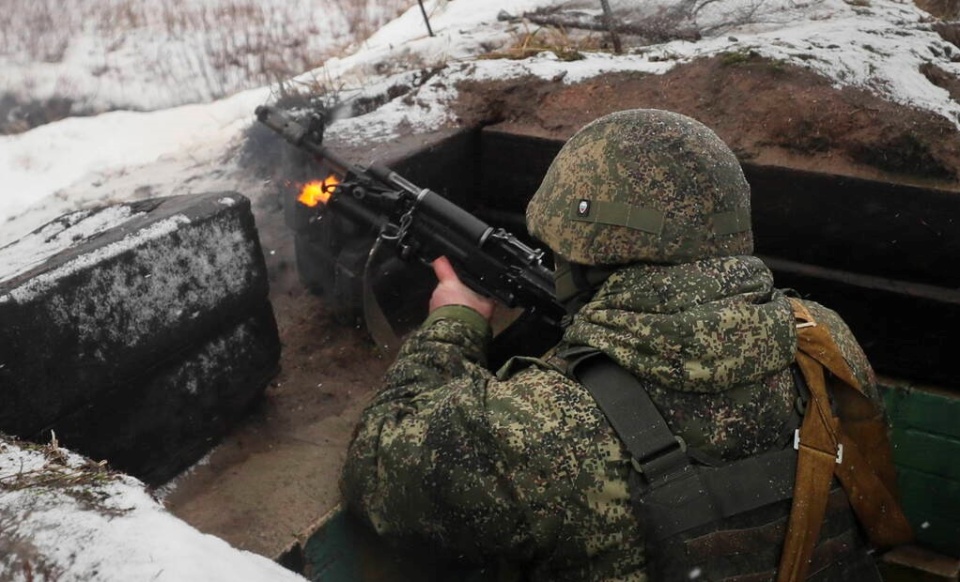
<point>727,524</point>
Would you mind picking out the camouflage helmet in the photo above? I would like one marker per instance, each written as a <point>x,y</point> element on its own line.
<point>643,185</point>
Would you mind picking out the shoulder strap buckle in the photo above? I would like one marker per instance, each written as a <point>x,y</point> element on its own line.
<point>664,463</point>
<point>797,444</point>
<point>655,452</point>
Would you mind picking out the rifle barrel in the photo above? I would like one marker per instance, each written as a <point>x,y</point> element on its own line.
<point>297,135</point>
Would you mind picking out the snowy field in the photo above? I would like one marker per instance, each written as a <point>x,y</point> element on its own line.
<point>174,116</point>
<point>130,54</point>
<point>874,44</point>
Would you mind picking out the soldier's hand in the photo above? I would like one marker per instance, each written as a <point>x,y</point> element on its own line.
<point>451,291</point>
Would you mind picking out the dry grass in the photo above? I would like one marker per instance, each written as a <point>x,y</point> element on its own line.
<point>78,478</point>
<point>569,29</point>
<point>567,45</point>
<point>943,9</point>
<point>222,46</point>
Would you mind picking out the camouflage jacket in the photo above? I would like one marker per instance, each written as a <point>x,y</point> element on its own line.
<point>523,466</point>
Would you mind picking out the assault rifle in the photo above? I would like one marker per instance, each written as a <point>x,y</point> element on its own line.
<point>422,225</point>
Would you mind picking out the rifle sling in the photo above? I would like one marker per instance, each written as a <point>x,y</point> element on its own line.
<point>384,337</point>
<point>816,459</point>
<point>655,450</point>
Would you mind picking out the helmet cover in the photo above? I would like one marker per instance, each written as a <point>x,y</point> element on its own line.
<point>643,185</point>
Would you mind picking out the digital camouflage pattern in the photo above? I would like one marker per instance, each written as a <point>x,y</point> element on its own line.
<point>670,177</point>
<point>712,336</point>
<point>523,467</point>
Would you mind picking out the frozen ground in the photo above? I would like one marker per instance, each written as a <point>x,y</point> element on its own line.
<point>65,518</point>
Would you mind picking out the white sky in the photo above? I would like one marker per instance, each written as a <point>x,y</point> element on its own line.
<point>77,162</point>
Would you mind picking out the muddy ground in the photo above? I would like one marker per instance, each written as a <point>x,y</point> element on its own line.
<point>275,476</point>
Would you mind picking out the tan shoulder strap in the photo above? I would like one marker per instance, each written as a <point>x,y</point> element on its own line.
<point>853,445</point>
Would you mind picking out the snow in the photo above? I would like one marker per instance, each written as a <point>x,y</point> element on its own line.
<point>50,158</point>
<point>105,528</point>
<point>113,306</point>
<point>154,55</point>
<point>37,284</point>
<point>59,167</point>
<point>38,246</point>
<point>179,143</point>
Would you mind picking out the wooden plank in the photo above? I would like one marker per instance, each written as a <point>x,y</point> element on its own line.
<point>513,167</point>
<point>865,226</point>
<point>450,167</point>
<point>933,506</point>
<point>861,247</point>
<point>915,564</point>
<point>930,410</point>
<point>905,328</point>
<point>926,439</point>
<point>342,549</point>
<point>332,552</point>
<point>930,453</point>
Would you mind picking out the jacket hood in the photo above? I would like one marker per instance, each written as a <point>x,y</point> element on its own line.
<point>704,326</point>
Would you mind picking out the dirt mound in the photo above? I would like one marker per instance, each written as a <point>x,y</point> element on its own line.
<point>767,111</point>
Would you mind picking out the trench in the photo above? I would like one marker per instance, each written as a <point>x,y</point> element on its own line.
<point>883,255</point>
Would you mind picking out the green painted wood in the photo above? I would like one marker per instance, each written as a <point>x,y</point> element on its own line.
<point>331,552</point>
<point>926,451</point>
<point>927,409</point>
<point>341,549</point>
<point>930,453</point>
<point>926,439</point>
<point>933,506</point>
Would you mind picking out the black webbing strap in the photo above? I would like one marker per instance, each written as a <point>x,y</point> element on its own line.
<point>711,494</point>
<point>656,452</point>
<point>674,494</point>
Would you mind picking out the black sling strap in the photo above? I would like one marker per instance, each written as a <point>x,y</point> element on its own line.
<point>696,494</point>
<point>655,451</point>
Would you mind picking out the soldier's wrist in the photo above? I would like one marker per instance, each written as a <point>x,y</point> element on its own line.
<point>466,315</point>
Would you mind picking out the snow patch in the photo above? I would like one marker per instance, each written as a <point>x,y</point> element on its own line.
<point>206,265</point>
<point>36,285</point>
<point>35,164</point>
<point>58,236</point>
<point>86,525</point>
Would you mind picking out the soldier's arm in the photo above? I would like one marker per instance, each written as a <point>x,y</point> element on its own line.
<point>424,461</point>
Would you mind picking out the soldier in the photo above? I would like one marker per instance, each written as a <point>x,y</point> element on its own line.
<point>648,215</point>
